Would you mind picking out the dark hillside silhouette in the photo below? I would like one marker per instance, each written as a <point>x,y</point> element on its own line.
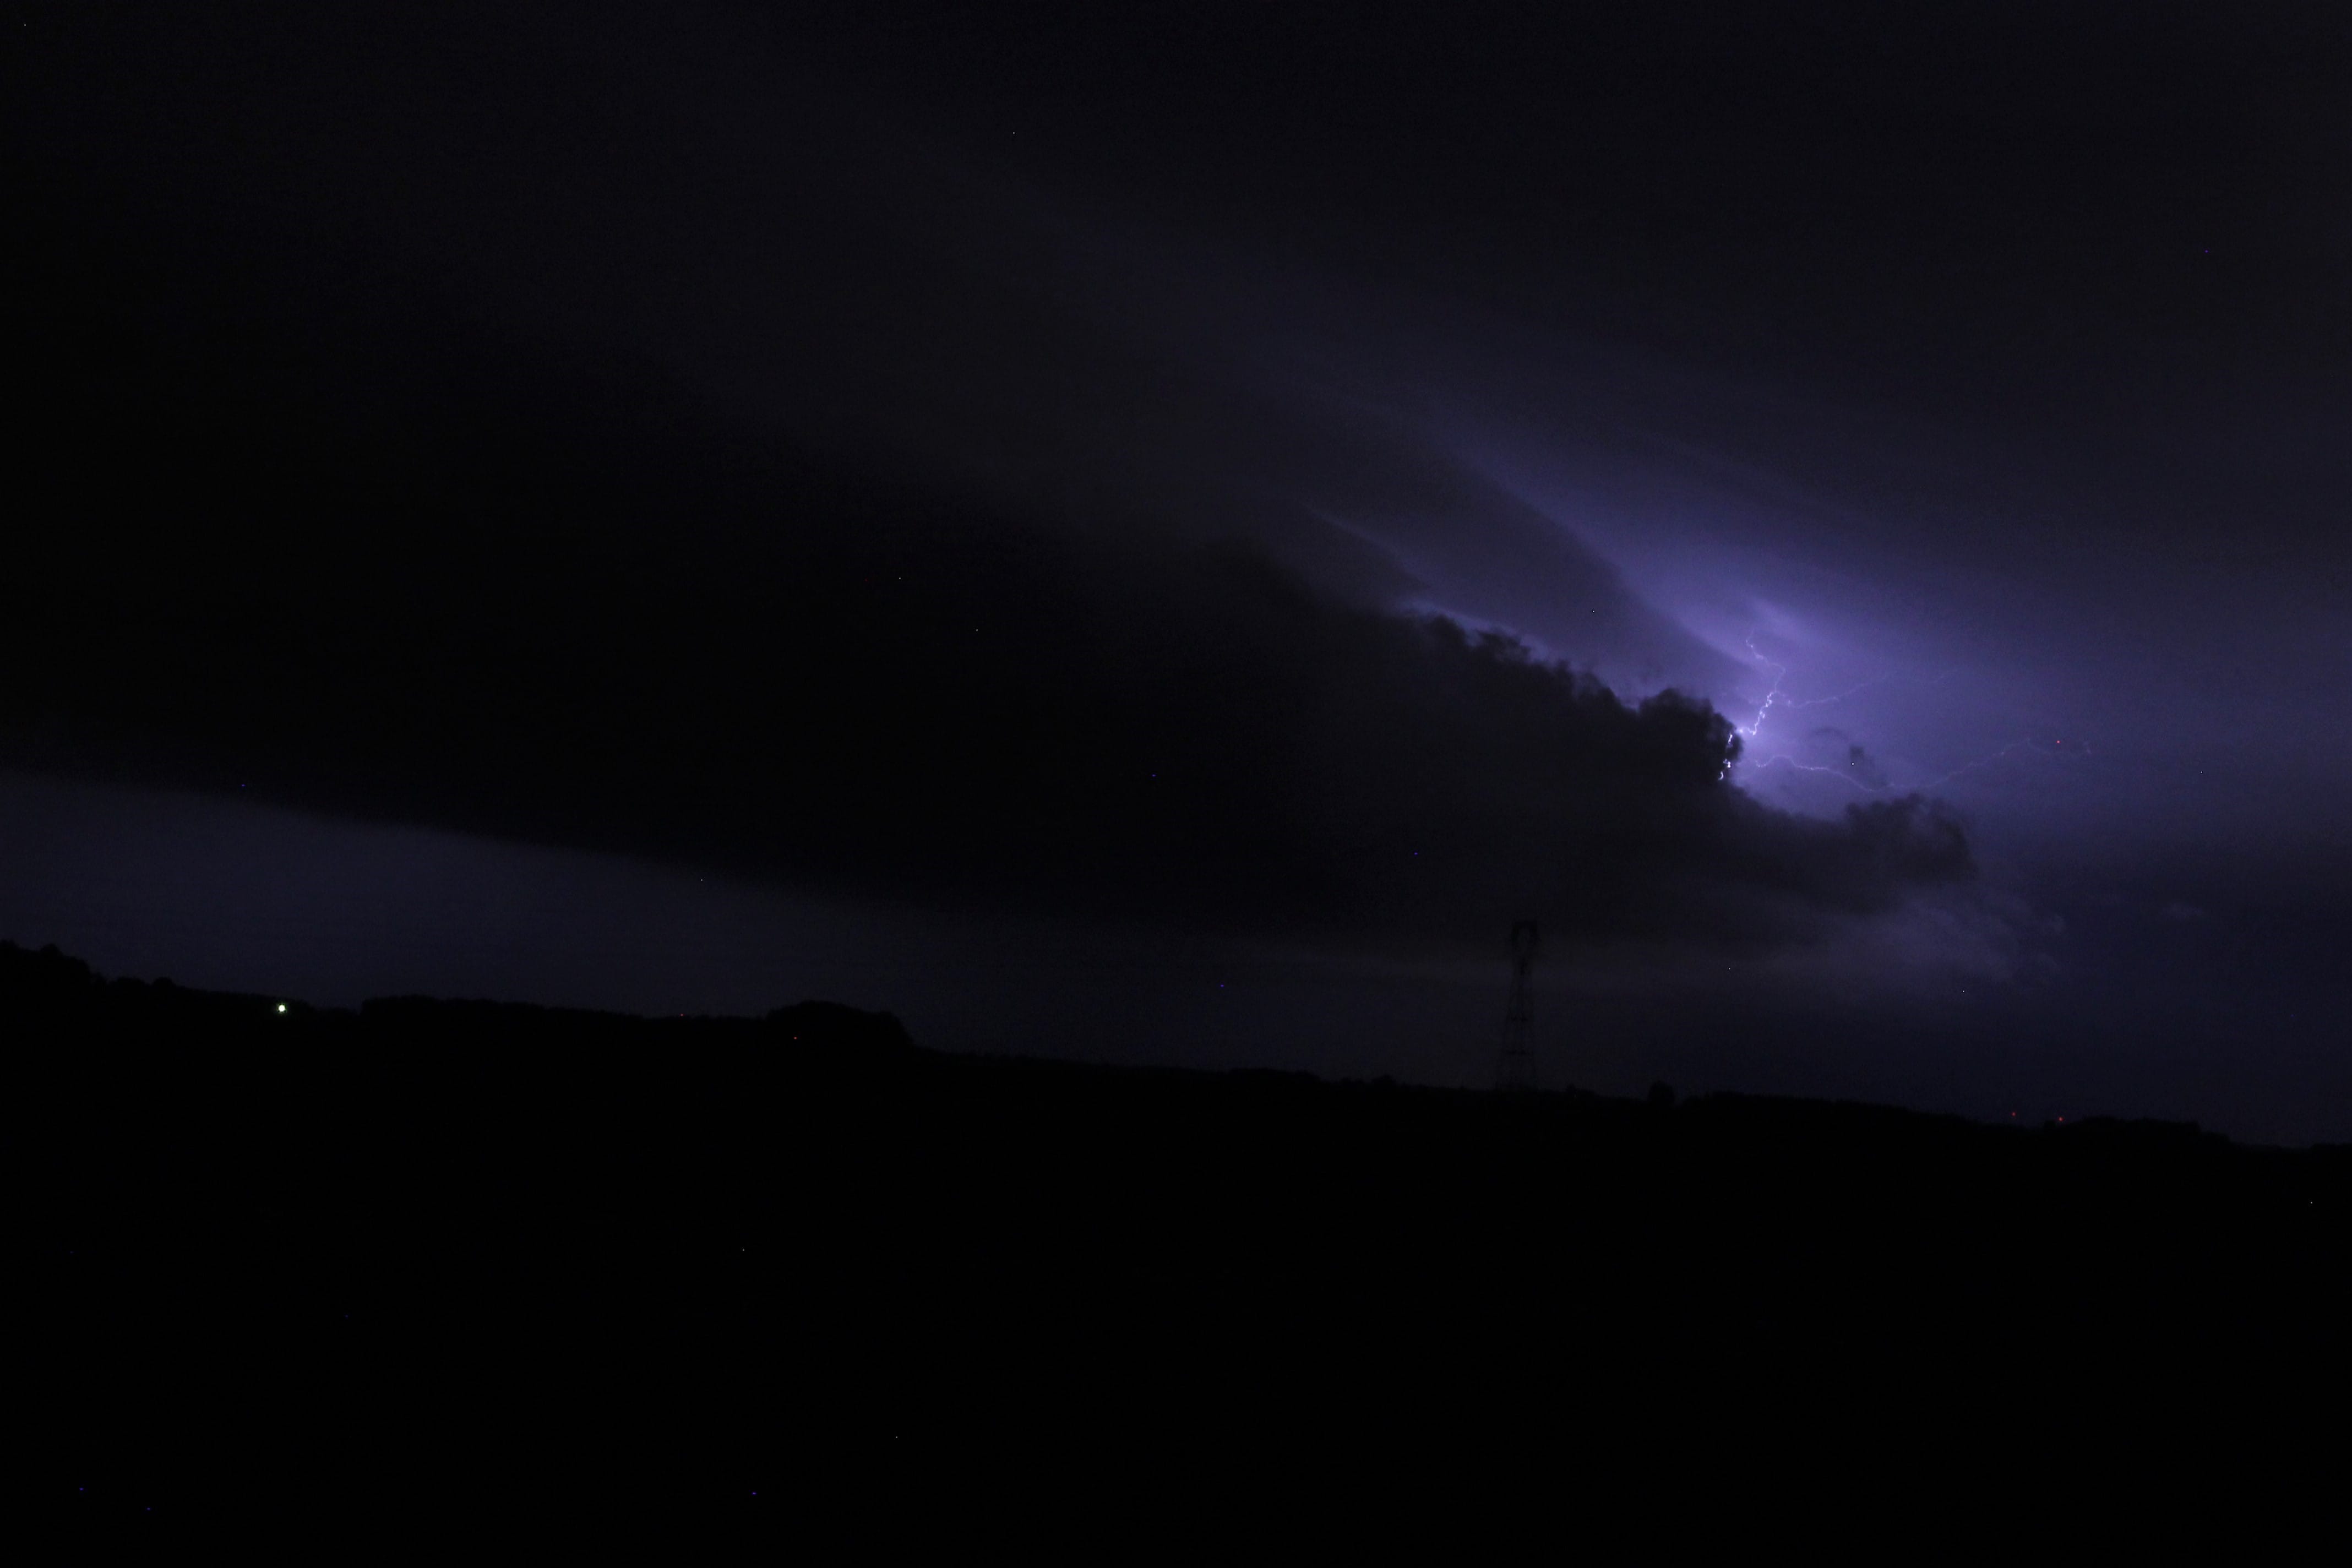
<point>442,1250</point>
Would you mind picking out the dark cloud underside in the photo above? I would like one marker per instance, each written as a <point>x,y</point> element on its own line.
<point>380,562</point>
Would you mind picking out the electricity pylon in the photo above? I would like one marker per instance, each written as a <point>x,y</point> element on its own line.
<point>1517,1070</point>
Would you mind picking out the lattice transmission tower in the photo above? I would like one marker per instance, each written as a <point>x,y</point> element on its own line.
<point>1517,1070</point>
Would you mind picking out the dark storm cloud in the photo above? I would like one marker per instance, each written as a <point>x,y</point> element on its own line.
<point>620,570</point>
<point>486,594</point>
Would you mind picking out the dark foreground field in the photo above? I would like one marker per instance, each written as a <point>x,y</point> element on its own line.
<point>430,1257</point>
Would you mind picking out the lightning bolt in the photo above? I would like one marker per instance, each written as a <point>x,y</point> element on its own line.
<point>2053,749</point>
<point>1849,692</point>
<point>1777,696</point>
<point>1783,760</point>
<point>1755,726</point>
<point>1779,673</point>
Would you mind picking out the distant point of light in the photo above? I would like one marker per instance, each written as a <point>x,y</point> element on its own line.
<point>282,1006</point>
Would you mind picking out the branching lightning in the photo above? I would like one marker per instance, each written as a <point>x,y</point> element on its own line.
<point>1755,726</point>
<point>1779,673</point>
<point>1777,696</point>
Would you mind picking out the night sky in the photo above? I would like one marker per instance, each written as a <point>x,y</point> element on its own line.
<point>1155,534</point>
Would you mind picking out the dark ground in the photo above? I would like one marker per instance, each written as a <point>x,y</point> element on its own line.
<point>433,1257</point>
